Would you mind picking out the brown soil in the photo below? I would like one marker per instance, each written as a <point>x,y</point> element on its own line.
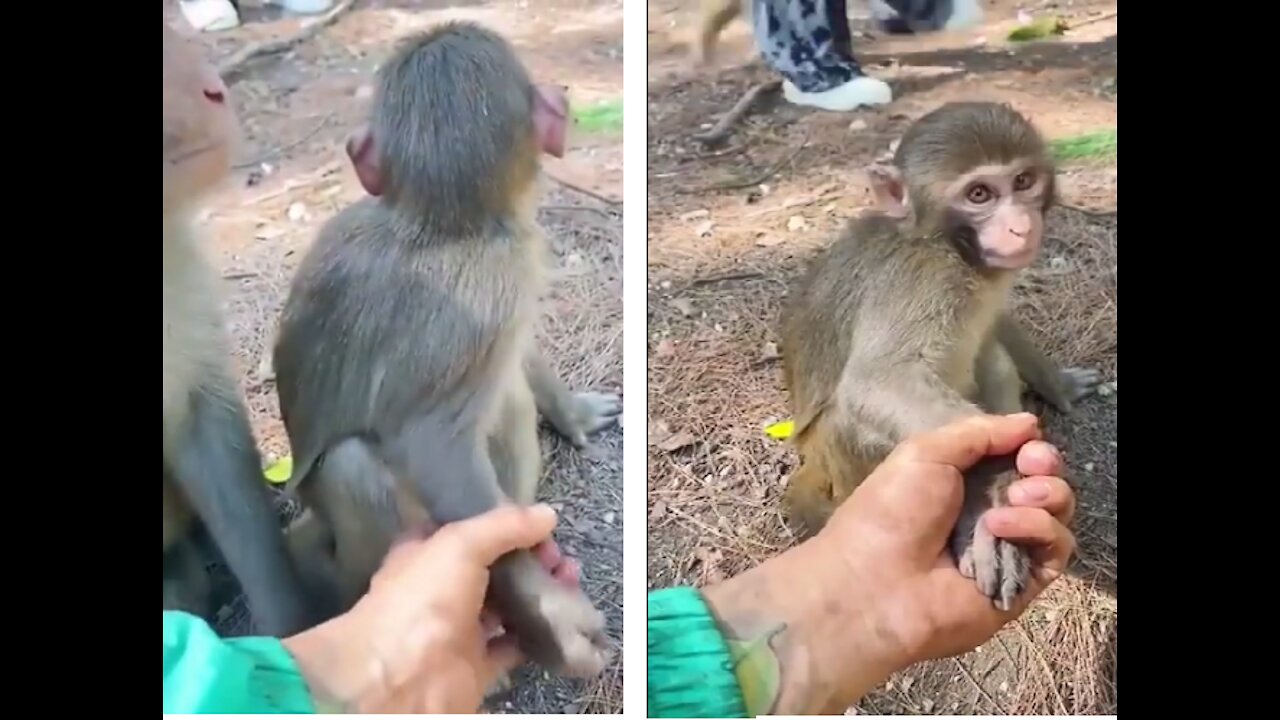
<point>719,265</point>
<point>292,175</point>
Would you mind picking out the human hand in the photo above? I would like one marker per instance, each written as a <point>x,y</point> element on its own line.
<point>892,532</point>
<point>877,589</point>
<point>419,641</point>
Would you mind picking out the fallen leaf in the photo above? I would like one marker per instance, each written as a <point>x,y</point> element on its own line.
<point>704,228</point>
<point>795,222</point>
<point>770,241</point>
<point>858,125</point>
<point>684,306</point>
<point>677,441</point>
<point>695,215</point>
<point>658,511</point>
<point>770,351</point>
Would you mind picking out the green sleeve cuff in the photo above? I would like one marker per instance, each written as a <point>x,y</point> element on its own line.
<point>204,673</point>
<point>690,671</point>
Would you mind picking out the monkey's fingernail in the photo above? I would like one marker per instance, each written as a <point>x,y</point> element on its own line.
<point>1028,491</point>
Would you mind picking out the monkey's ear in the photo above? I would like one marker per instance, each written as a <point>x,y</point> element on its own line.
<point>362,148</point>
<point>550,112</point>
<point>890,191</point>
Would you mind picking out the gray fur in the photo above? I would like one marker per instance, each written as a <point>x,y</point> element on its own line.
<point>402,352</point>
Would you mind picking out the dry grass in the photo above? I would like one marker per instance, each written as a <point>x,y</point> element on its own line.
<point>720,263</point>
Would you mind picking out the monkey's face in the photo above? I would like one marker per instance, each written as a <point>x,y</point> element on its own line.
<point>200,128</point>
<point>997,213</point>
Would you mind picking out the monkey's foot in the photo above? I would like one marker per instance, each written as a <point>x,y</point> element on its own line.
<point>1000,568</point>
<point>592,412</point>
<point>578,631</point>
<point>849,96</point>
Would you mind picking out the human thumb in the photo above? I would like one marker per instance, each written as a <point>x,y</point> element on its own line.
<point>497,532</point>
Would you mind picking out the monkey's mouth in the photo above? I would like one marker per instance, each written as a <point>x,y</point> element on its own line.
<point>1011,261</point>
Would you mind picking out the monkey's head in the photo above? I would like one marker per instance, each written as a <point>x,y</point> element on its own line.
<point>908,17</point>
<point>458,126</point>
<point>979,173</point>
<point>200,128</point>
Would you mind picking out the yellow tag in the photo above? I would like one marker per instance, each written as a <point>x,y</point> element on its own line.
<point>781,430</point>
<point>279,472</point>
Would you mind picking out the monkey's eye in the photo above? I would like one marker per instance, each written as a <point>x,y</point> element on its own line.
<point>979,194</point>
<point>1024,180</point>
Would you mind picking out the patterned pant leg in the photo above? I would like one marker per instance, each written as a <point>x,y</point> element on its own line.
<point>806,41</point>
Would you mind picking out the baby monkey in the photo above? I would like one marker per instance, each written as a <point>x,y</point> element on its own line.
<point>408,377</point>
<point>902,326</point>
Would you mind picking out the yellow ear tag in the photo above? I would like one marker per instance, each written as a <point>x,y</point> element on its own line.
<point>781,430</point>
<point>279,472</point>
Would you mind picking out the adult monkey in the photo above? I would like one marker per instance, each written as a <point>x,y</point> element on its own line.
<point>408,379</point>
<point>212,472</point>
<point>902,326</point>
<point>809,44</point>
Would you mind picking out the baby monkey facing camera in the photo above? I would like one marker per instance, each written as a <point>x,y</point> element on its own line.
<point>903,326</point>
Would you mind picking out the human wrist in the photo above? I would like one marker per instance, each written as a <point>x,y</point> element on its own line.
<point>826,632</point>
<point>339,677</point>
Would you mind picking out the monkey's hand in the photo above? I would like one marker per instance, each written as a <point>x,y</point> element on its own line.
<point>591,412</point>
<point>1073,385</point>
<point>1001,569</point>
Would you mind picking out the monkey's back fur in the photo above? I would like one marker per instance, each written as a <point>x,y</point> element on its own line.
<point>392,310</point>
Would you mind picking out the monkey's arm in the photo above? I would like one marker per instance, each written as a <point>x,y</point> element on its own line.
<point>900,398</point>
<point>448,462</point>
<point>1043,375</point>
<point>215,462</point>
<point>552,396</point>
<point>573,415</point>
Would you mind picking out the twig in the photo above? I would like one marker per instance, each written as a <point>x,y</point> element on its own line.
<point>721,130</point>
<point>577,208</point>
<point>725,278</point>
<point>285,148</point>
<point>576,188</point>
<point>239,59</point>
<point>754,181</point>
<point>1092,20</point>
<point>983,691</point>
<point>1101,214</point>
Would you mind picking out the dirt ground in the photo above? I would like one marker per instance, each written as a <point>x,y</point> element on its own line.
<point>719,263</point>
<point>292,175</point>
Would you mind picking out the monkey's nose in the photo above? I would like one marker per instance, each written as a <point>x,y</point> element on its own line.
<point>217,97</point>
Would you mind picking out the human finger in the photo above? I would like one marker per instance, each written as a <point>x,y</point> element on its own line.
<point>502,655</point>
<point>568,573</point>
<point>548,554</point>
<point>1038,457</point>
<point>1051,542</point>
<point>1052,494</point>
<point>964,442</point>
<point>487,537</point>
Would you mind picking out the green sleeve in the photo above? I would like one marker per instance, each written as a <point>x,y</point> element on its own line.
<point>204,673</point>
<point>690,671</point>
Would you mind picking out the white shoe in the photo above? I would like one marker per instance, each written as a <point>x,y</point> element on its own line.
<point>851,95</point>
<point>210,15</point>
<point>304,7</point>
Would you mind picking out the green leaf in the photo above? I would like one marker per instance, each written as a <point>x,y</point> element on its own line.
<point>605,116</point>
<point>1099,145</point>
<point>1038,29</point>
<point>280,471</point>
